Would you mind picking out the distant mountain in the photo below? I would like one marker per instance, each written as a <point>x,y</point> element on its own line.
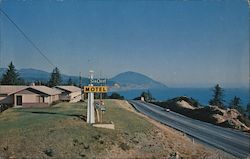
<point>134,81</point>
<point>32,75</point>
<point>123,81</point>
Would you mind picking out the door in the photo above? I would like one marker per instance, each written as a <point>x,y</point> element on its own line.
<point>41,99</point>
<point>19,100</point>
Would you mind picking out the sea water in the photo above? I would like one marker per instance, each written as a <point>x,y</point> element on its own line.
<point>203,95</point>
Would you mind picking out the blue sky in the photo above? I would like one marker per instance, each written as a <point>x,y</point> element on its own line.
<point>180,43</point>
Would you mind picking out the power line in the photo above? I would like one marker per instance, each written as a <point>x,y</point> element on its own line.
<point>27,38</point>
<point>1,34</point>
<point>1,44</point>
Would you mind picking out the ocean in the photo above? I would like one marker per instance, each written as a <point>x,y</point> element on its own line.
<point>203,95</point>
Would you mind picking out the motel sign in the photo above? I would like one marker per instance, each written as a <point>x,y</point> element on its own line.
<point>98,81</point>
<point>95,89</point>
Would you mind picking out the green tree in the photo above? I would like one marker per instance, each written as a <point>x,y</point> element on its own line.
<point>55,78</point>
<point>236,104</point>
<point>40,83</point>
<point>105,96</point>
<point>217,99</point>
<point>147,96</point>
<point>116,95</point>
<point>70,82</point>
<point>248,108</point>
<point>248,111</point>
<point>11,76</point>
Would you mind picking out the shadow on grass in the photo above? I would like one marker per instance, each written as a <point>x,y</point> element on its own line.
<point>81,117</point>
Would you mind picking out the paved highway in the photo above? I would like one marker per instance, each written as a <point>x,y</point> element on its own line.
<point>231,141</point>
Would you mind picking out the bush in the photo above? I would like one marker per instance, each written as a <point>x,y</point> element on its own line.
<point>116,96</point>
<point>55,102</point>
<point>124,146</point>
<point>4,107</point>
<point>49,152</point>
<point>244,120</point>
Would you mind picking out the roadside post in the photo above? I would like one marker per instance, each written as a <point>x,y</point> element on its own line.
<point>103,109</point>
<point>97,108</point>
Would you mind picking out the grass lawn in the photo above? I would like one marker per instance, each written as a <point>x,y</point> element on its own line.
<point>61,131</point>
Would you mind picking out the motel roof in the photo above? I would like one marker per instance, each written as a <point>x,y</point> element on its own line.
<point>46,90</point>
<point>8,89</point>
<point>68,88</point>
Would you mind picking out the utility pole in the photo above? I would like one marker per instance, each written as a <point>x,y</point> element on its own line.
<point>80,79</point>
<point>91,109</point>
<point>1,41</point>
<point>80,85</point>
<point>101,85</point>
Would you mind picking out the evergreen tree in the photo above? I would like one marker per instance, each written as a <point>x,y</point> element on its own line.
<point>217,99</point>
<point>11,76</point>
<point>116,96</point>
<point>70,82</point>
<point>248,111</point>
<point>144,95</point>
<point>55,78</point>
<point>235,104</point>
<point>248,108</point>
<point>40,83</point>
<point>147,96</point>
<point>105,96</point>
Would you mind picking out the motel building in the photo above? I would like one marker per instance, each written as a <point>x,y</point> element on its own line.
<point>69,94</point>
<point>28,96</point>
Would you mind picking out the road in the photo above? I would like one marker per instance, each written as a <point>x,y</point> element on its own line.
<point>228,140</point>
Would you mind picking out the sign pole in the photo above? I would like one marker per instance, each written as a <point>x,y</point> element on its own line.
<point>91,89</point>
<point>91,110</point>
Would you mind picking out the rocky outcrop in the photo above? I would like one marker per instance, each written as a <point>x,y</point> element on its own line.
<point>184,104</point>
<point>230,118</point>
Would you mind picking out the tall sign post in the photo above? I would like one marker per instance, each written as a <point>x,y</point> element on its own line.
<point>91,109</point>
<point>91,89</point>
